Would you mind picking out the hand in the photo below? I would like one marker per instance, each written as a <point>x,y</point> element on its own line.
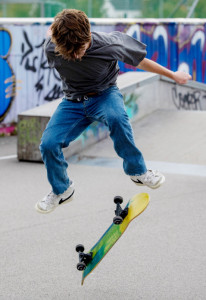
<point>181,77</point>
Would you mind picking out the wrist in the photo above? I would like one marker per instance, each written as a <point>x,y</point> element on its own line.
<point>172,75</point>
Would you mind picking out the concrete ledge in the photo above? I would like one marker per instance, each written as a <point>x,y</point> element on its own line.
<point>143,93</point>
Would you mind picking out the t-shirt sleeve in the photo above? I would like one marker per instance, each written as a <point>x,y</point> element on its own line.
<point>128,49</point>
<point>49,52</point>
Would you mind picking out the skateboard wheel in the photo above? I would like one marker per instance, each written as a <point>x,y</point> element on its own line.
<point>80,248</point>
<point>117,220</point>
<point>118,199</point>
<point>81,266</point>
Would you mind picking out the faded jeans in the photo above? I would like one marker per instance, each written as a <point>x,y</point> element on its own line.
<point>69,121</point>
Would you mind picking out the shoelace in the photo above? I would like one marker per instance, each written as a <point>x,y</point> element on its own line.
<point>49,198</point>
<point>150,175</point>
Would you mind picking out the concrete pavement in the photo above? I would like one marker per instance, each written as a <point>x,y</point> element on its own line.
<point>161,255</point>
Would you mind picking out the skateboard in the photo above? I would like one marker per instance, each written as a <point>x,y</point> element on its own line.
<point>88,261</point>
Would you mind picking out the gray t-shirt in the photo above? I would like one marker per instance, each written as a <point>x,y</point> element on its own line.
<point>98,68</point>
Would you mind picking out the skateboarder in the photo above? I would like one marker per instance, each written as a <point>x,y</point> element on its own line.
<point>87,63</point>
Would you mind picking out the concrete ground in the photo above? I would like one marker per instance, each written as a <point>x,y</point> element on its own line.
<point>162,254</point>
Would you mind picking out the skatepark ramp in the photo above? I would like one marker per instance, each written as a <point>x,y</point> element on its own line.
<point>143,93</point>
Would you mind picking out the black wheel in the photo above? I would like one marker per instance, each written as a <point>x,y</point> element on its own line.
<point>118,199</point>
<point>80,248</point>
<point>81,266</point>
<point>117,220</point>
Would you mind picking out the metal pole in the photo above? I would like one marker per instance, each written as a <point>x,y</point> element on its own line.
<point>127,5</point>
<point>192,8</point>
<point>176,8</point>
<point>4,10</point>
<point>90,8</point>
<point>161,10</point>
<point>42,10</point>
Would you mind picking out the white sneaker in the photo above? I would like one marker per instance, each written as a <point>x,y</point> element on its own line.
<point>152,179</point>
<point>51,201</point>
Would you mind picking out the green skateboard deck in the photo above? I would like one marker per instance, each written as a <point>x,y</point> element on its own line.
<point>136,206</point>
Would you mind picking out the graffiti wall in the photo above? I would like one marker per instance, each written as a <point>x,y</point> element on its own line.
<point>26,80</point>
<point>188,100</point>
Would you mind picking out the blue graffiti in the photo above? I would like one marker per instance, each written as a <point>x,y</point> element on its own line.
<point>7,78</point>
<point>173,46</point>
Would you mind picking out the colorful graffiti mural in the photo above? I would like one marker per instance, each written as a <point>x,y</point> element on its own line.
<point>7,77</point>
<point>26,80</point>
<point>175,46</point>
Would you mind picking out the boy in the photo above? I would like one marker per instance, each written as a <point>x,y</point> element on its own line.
<point>88,67</point>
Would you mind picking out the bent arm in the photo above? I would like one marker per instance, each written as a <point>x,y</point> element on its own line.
<point>151,66</point>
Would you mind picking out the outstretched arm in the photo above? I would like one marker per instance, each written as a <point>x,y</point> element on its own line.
<point>151,66</point>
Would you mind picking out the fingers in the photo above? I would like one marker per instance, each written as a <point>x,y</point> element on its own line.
<point>187,77</point>
<point>182,77</point>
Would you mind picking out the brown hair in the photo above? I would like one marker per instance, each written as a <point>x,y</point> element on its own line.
<point>70,32</point>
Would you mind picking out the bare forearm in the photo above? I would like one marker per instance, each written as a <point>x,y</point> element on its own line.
<point>151,66</point>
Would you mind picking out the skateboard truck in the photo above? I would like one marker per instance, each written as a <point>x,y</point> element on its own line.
<point>84,258</point>
<point>119,212</point>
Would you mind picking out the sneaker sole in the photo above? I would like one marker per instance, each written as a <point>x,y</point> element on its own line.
<point>39,210</point>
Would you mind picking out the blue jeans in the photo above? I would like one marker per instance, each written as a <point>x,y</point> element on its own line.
<point>69,121</point>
